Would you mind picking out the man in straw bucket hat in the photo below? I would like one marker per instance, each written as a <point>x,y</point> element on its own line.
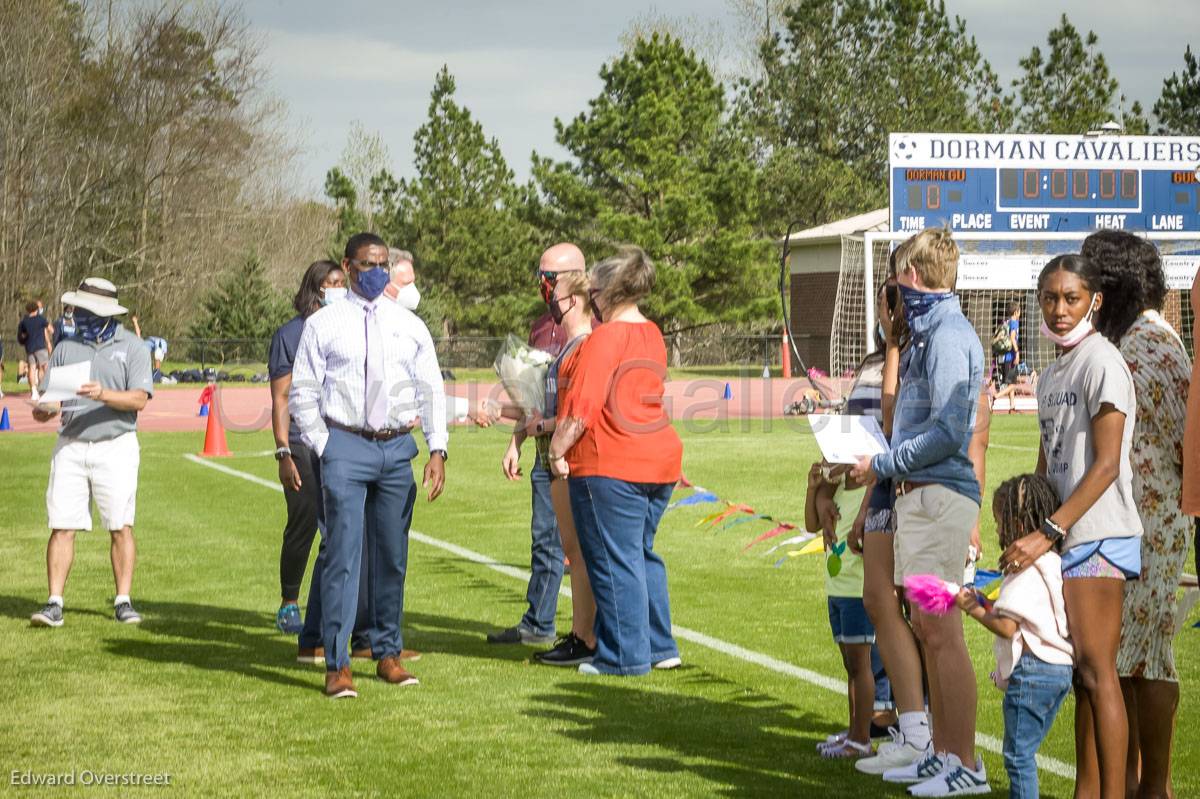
<point>97,454</point>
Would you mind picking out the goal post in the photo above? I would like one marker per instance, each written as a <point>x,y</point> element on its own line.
<point>995,270</point>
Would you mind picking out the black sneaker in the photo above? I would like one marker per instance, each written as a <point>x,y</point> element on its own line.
<point>125,614</point>
<point>569,650</point>
<point>49,616</point>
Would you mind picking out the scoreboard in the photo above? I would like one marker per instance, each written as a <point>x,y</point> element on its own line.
<point>1011,185</point>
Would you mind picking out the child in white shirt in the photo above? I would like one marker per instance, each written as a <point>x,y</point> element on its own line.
<point>1034,656</point>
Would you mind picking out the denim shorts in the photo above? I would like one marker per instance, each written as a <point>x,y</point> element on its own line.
<point>849,621</point>
<point>880,518</point>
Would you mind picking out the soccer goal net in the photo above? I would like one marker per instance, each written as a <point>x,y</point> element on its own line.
<point>995,270</point>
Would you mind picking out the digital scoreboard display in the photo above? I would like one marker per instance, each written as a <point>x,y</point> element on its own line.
<point>1030,183</point>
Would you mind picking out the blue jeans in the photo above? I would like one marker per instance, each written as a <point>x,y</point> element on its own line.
<point>1035,691</point>
<point>546,557</point>
<point>616,522</point>
<point>310,636</point>
<point>883,685</point>
<point>365,480</point>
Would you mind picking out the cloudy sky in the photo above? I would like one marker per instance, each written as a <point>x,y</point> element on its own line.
<point>521,63</point>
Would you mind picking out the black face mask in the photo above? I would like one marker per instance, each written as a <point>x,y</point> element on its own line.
<point>594,294</point>
<point>556,311</point>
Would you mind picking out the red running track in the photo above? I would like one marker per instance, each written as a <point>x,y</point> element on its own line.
<point>248,408</point>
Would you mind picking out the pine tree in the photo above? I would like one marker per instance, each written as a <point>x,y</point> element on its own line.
<point>244,309</point>
<point>1178,109</point>
<point>655,164</point>
<point>1070,89</point>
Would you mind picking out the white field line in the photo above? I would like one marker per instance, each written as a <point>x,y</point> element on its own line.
<point>837,686</point>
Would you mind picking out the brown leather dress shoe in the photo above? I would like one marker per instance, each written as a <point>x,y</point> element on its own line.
<point>390,670</point>
<point>410,654</point>
<point>339,685</point>
<point>313,656</point>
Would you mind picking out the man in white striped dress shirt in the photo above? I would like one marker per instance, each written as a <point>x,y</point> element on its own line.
<point>364,372</point>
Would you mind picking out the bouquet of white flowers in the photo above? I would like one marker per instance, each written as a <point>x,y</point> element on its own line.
<point>522,371</point>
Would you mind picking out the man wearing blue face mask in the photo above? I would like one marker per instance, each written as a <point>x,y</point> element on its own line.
<point>364,372</point>
<point>97,452</point>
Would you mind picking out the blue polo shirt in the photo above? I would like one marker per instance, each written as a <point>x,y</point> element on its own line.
<point>282,355</point>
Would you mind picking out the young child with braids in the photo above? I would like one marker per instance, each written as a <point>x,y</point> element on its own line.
<point>1034,656</point>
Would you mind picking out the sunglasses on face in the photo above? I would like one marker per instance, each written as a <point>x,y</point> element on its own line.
<point>370,264</point>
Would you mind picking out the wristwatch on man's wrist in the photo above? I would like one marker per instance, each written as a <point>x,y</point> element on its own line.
<point>282,452</point>
<point>441,452</point>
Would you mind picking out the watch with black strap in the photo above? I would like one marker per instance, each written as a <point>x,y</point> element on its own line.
<point>1053,531</point>
<point>282,452</point>
<point>441,452</point>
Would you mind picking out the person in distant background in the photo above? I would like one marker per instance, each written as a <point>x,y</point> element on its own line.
<point>1011,359</point>
<point>34,334</point>
<point>64,326</point>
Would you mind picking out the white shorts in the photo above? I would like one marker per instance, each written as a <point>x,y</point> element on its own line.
<point>106,471</point>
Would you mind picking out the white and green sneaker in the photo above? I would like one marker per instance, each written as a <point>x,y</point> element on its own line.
<point>926,768</point>
<point>955,780</point>
<point>896,753</point>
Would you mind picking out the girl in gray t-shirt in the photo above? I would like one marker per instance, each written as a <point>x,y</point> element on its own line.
<point>1086,406</point>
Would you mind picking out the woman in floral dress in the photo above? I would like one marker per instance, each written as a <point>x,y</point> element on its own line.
<point>1134,287</point>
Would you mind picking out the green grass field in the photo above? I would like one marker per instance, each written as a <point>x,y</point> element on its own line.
<point>206,691</point>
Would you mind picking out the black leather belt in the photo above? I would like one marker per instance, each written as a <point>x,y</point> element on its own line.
<point>370,435</point>
<point>908,486</point>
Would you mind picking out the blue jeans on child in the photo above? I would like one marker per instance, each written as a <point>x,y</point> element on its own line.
<point>1035,691</point>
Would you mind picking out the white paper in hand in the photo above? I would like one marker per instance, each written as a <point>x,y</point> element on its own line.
<point>63,382</point>
<point>845,439</point>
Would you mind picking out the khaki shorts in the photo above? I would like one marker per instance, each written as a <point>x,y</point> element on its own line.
<point>933,533</point>
<point>36,359</point>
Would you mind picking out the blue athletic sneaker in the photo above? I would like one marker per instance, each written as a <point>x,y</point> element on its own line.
<point>288,619</point>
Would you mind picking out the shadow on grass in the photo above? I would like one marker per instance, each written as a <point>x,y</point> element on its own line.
<point>246,642</point>
<point>20,608</point>
<point>744,742</point>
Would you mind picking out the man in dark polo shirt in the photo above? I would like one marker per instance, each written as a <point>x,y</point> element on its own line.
<point>97,452</point>
<point>546,563</point>
<point>34,334</point>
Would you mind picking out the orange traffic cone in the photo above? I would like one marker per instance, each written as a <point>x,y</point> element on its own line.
<point>214,435</point>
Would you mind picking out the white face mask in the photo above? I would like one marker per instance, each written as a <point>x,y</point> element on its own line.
<point>1075,334</point>
<point>408,296</point>
<point>332,294</point>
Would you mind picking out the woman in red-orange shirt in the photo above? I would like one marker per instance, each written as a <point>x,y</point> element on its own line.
<point>616,444</point>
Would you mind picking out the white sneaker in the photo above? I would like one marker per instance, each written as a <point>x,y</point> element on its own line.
<point>893,754</point>
<point>33,394</point>
<point>926,768</point>
<point>668,663</point>
<point>955,780</point>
